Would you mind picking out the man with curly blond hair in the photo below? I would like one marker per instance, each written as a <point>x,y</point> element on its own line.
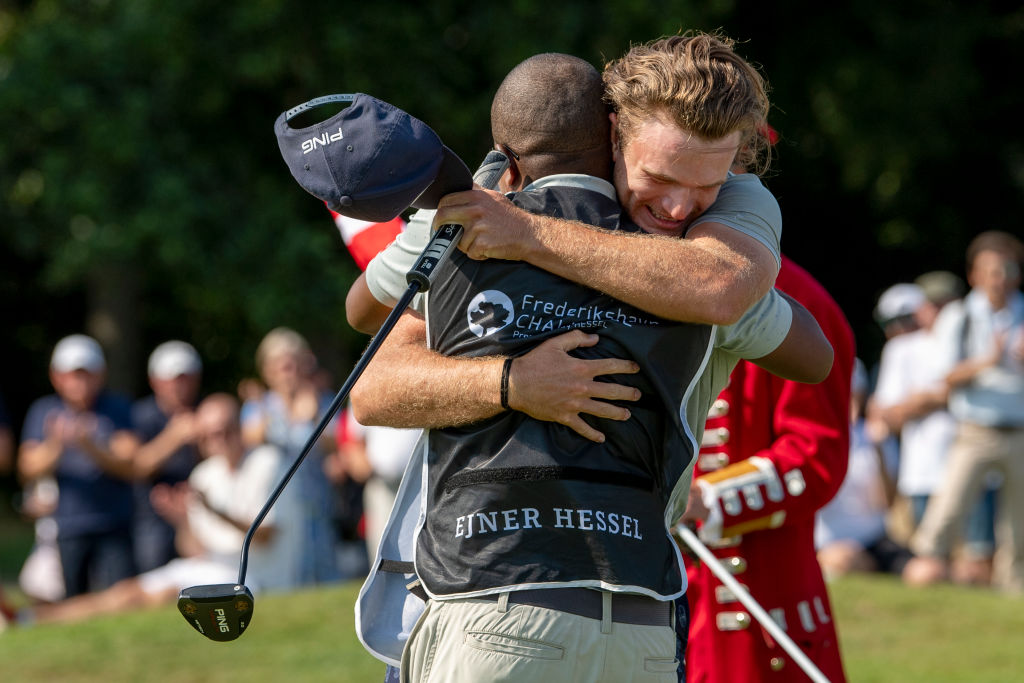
<point>673,182</point>
<point>667,175</point>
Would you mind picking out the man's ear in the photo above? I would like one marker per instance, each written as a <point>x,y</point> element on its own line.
<point>512,179</point>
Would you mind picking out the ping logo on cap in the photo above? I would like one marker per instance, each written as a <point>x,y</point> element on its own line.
<point>323,140</point>
<point>390,161</point>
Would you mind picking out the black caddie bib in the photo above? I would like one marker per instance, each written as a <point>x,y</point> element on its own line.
<point>513,501</point>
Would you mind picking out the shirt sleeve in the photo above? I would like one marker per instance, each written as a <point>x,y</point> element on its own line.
<point>746,205</point>
<point>893,385</point>
<point>35,419</point>
<point>385,274</point>
<point>761,329</point>
<point>947,335</point>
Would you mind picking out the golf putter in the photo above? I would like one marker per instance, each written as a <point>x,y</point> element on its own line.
<point>223,611</point>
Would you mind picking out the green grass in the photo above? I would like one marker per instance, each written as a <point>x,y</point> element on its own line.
<point>888,633</point>
<point>303,637</point>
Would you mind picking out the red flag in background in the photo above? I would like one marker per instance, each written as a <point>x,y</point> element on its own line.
<point>365,239</point>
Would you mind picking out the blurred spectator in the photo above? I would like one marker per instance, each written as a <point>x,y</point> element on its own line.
<point>895,312</point>
<point>940,287</point>
<point>250,389</point>
<point>896,308</point>
<point>165,422</point>
<point>982,342</point>
<point>376,456</point>
<point>850,531</point>
<point>212,514</point>
<point>910,398</point>
<point>82,437</point>
<point>285,415</point>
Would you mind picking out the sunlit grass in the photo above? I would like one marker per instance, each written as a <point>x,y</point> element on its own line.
<point>300,637</point>
<point>893,633</point>
<point>888,633</point>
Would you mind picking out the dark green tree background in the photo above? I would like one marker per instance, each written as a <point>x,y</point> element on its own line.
<point>142,195</point>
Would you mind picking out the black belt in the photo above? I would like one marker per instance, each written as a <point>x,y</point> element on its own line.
<point>627,608</point>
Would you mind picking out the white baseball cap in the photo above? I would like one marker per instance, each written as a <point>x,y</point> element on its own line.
<point>78,352</point>
<point>174,358</point>
<point>899,301</point>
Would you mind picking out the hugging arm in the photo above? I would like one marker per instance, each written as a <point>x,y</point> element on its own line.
<point>805,355</point>
<point>362,310</point>
<point>408,385</point>
<point>712,276</point>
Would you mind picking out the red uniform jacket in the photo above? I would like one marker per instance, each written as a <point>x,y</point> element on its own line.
<point>773,453</point>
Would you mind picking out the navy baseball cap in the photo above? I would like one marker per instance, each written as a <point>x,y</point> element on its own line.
<point>371,160</point>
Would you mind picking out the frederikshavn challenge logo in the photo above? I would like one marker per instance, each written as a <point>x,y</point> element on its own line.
<point>492,310</point>
<point>488,312</point>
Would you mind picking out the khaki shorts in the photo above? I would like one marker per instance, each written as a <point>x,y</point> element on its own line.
<point>474,641</point>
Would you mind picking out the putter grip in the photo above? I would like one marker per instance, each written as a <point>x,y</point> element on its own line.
<point>440,246</point>
<point>447,236</point>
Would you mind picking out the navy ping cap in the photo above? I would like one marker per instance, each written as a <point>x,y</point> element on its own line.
<point>371,160</point>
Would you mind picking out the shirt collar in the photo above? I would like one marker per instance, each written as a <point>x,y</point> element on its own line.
<point>584,182</point>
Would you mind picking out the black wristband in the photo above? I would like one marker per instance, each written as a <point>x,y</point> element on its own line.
<point>506,368</point>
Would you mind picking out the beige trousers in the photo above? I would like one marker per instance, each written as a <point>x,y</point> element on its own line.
<point>976,451</point>
<point>475,641</point>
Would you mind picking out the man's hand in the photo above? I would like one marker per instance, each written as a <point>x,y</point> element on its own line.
<point>968,369</point>
<point>409,385</point>
<point>492,226</point>
<point>170,502</point>
<point>548,384</point>
<point>151,456</point>
<point>696,510</point>
<point>305,405</point>
<point>70,430</point>
<point>181,428</point>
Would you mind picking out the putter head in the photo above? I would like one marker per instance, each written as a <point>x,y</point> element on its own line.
<point>220,612</point>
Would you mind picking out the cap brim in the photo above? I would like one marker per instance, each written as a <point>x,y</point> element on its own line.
<point>70,365</point>
<point>452,176</point>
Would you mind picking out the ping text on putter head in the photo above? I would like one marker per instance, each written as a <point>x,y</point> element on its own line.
<point>222,612</point>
